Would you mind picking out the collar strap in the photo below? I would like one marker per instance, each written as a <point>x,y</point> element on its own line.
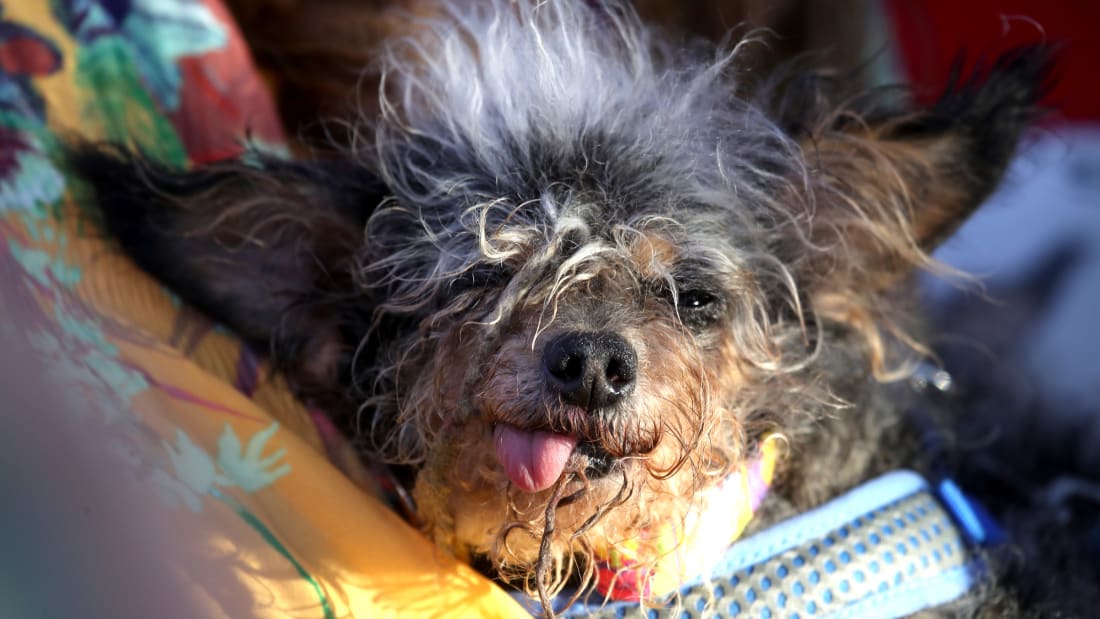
<point>890,547</point>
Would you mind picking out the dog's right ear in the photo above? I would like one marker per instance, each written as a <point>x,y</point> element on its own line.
<point>888,181</point>
<point>264,245</point>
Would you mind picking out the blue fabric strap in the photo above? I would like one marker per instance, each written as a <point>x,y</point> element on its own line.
<point>888,548</point>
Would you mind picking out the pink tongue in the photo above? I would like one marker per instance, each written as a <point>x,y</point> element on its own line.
<point>533,460</point>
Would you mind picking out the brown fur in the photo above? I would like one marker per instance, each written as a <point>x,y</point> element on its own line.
<point>752,258</point>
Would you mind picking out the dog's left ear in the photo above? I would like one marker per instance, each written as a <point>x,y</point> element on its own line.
<point>267,246</point>
<point>887,184</point>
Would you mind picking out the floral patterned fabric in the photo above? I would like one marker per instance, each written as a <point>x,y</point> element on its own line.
<point>192,412</point>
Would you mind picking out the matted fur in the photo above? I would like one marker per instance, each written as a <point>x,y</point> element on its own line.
<point>553,168</point>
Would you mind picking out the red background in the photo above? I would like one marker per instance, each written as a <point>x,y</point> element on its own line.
<point>931,33</point>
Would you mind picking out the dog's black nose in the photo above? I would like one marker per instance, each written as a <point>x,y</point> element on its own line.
<point>591,370</point>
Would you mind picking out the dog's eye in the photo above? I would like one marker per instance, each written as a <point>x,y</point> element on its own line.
<point>699,308</point>
<point>696,299</point>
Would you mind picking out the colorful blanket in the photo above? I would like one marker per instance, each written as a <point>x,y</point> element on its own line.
<point>274,498</point>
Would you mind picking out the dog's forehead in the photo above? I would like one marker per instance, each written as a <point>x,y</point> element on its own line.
<point>652,255</point>
<point>617,244</point>
<point>529,149</point>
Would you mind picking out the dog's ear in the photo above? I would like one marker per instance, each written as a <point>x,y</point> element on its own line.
<point>264,245</point>
<point>887,183</point>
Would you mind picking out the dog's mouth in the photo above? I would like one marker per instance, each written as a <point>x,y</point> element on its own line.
<point>600,463</point>
<point>535,459</point>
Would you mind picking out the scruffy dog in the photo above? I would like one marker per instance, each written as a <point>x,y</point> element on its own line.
<point>572,275</point>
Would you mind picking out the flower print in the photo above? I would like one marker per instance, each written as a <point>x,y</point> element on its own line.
<point>192,465</point>
<point>197,474</point>
<point>24,54</point>
<point>27,178</point>
<point>248,470</point>
<point>90,378</point>
<point>154,33</point>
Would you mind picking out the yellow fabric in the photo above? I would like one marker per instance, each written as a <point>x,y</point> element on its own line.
<point>245,476</point>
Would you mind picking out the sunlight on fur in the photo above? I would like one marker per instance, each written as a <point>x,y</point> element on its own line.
<point>573,274</point>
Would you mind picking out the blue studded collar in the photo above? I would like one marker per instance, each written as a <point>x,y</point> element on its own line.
<point>888,548</point>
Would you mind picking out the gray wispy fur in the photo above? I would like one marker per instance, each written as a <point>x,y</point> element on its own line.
<point>541,170</point>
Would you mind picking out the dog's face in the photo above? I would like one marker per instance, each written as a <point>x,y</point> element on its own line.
<point>601,349</point>
<point>574,274</point>
<point>589,249</point>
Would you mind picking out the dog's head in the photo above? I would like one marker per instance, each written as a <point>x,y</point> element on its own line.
<point>572,266</point>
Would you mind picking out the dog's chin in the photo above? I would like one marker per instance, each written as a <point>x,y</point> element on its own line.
<point>474,505</point>
<point>595,463</point>
<point>486,519</point>
<point>497,519</point>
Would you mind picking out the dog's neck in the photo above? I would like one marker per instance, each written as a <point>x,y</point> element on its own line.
<point>661,559</point>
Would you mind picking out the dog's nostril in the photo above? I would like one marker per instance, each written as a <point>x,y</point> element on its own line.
<point>566,366</point>
<point>619,373</point>
<point>592,370</point>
